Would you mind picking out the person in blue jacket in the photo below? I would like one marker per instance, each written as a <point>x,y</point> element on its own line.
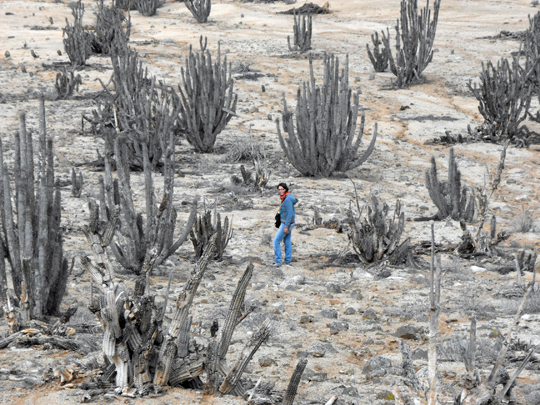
<point>287,224</point>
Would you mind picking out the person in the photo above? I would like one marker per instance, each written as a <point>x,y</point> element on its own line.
<point>284,231</point>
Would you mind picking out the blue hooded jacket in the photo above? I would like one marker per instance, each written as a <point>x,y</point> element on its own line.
<point>287,210</point>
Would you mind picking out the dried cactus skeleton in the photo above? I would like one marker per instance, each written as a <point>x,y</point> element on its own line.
<point>325,138</point>
<point>31,232</point>
<point>66,83</point>
<point>302,33</point>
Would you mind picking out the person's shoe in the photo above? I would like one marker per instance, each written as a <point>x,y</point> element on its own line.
<point>276,264</point>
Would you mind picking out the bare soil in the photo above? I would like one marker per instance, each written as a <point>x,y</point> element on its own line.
<point>254,35</point>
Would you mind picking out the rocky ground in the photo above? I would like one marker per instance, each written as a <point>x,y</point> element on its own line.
<point>341,317</point>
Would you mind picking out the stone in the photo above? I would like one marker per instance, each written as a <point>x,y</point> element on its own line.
<point>533,398</point>
<point>370,314</point>
<point>350,311</point>
<point>338,326</point>
<point>305,319</point>
<point>277,273</point>
<point>406,332</point>
<point>329,313</point>
<point>266,361</point>
<point>357,295</point>
<point>419,354</point>
<point>360,273</point>
<point>315,377</point>
<point>333,288</point>
<point>375,363</point>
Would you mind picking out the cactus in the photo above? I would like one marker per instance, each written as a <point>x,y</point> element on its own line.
<point>379,57</point>
<point>450,197</point>
<point>31,231</point>
<point>375,236</point>
<point>199,8</point>
<point>205,230</point>
<point>208,100</point>
<point>324,140</point>
<point>144,108</point>
<point>78,40</point>
<point>76,183</point>
<point>302,33</point>
<point>111,25</point>
<point>504,96</point>
<point>148,7</point>
<point>415,34</point>
<point>139,246</point>
<point>66,83</point>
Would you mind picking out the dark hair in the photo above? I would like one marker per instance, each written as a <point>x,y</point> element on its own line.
<point>284,186</point>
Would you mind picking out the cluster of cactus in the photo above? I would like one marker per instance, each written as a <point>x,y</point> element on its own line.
<point>451,198</point>
<point>257,182</point>
<point>139,245</point>
<point>139,106</point>
<point>206,231</point>
<point>505,91</point>
<point>78,40</point>
<point>208,99</point>
<point>66,83</point>
<point>376,236</point>
<point>199,8</point>
<point>326,120</point>
<point>415,34</point>
<point>111,25</point>
<point>380,56</point>
<point>31,233</point>
<point>148,7</point>
<point>302,33</point>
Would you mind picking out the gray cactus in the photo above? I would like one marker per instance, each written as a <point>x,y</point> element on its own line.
<point>199,8</point>
<point>302,33</point>
<point>325,139</point>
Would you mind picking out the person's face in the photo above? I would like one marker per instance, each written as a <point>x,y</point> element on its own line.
<point>281,190</point>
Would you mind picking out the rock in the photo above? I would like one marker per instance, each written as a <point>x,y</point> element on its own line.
<point>377,373</point>
<point>360,273</point>
<point>407,332</point>
<point>419,354</point>
<point>295,280</point>
<point>369,341</point>
<point>277,273</point>
<point>357,295</point>
<point>533,398</point>
<point>420,280</point>
<point>266,361</point>
<point>305,319</point>
<point>315,377</point>
<point>375,363</point>
<point>317,350</point>
<point>350,311</point>
<point>338,326</point>
<point>329,313</point>
<point>370,314</point>
<point>344,390</point>
<point>385,396</point>
<point>333,288</point>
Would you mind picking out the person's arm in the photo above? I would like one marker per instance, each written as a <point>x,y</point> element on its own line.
<point>290,213</point>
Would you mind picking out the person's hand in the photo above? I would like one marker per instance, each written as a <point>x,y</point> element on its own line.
<point>286,230</point>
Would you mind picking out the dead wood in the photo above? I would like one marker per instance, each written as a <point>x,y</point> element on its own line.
<point>309,8</point>
<point>292,388</point>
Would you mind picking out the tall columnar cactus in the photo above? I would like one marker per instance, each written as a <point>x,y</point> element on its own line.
<point>415,34</point>
<point>145,109</point>
<point>31,230</point>
<point>200,9</point>
<point>379,57</point>
<point>325,139</point>
<point>208,100</point>
<point>451,197</point>
<point>302,33</point>
<point>111,25</point>
<point>148,7</point>
<point>141,243</point>
<point>78,40</point>
<point>206,231</point>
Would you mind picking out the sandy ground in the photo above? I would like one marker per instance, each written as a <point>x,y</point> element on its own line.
<point>253,34</point>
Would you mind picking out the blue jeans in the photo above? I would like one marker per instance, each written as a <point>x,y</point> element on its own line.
<point>286,238</point>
